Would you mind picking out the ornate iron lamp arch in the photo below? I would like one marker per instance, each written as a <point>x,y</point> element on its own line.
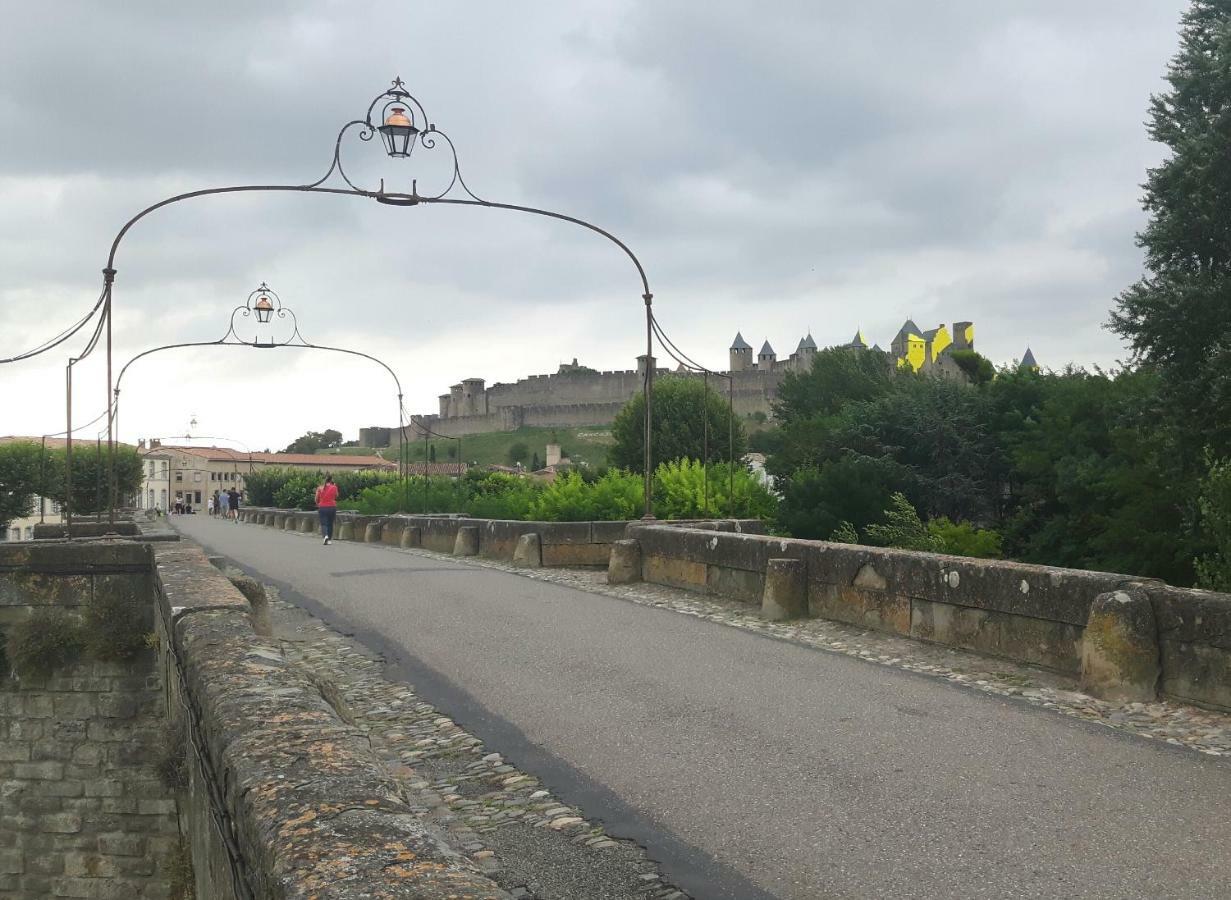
<point>413,127</point>
<point>251,308</point>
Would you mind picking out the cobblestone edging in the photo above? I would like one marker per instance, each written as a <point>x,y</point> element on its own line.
<point>510,827</point>
<point>1177,724</point>
<point>315,814</point>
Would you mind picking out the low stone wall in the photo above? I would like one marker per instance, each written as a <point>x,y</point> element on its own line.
<point>82,811</point>
<point>1034,614</point>
<point>309,809</point>
<point>563,543</point>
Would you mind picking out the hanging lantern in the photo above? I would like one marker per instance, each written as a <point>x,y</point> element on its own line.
<point>398,132</point>
<point>264,309</point>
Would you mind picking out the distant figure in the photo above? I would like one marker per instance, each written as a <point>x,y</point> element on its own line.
<point>233,502</point>
<point>224,504</point>
<point>210,504</point>
<point>327,507</point>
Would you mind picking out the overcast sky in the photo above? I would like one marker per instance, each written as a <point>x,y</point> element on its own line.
<point>777,168</point>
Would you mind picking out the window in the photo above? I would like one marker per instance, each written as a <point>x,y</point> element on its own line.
<point>164,469</point>
<point>55,507</point>
<point>179,476</point>
<point>15,534</point>
<point>198,500</point>
<point>163,495</point>
<point>196,476</point>
<point>29,532</point>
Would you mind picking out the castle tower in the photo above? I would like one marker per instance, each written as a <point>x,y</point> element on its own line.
<point>963,336</point>
<point>767,356</point>
<point>474,397</point>
<point>741,354</point>
<point>455,400</point>
<point>444,405</point>
<point>805,353</point>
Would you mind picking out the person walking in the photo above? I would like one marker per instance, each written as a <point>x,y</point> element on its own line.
<point>213,500</point>
<point>327,507</point>
<point>233,502</point>
<point>224,504</point>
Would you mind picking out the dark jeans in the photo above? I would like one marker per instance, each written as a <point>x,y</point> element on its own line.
<point>327,515</point>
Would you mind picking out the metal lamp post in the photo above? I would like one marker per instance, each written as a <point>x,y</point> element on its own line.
<point>403,125</point>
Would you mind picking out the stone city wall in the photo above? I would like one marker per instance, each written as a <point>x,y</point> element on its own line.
<point>82,811</point>
<point>1175,641</point>
<point>308,809</point>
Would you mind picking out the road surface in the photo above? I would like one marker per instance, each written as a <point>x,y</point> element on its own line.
<point>757,768</point>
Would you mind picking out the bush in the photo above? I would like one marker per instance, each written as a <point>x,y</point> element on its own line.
<point>679,492</point>
<point>115,626</point>
<point>48,639</point>
<point>964,539</point>
<point>902,528</point>
<point>1214,503</point>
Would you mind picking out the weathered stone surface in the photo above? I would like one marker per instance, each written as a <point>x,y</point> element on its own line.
<point>681,573</point>
<point>467,541</point>
<point>372,531</point>
<point>316,813</point>
<point>345,530</point>
<point>1120,652</point>
<point>309,522</point>
<point>624,562</point>
<point>528,552</point>
<point>576,555</point>
<point>737,584</point>
<point>785,594</point>
<point>411,536</point>
<point>254,592</point>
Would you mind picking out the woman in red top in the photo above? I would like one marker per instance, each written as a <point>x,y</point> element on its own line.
<point>327,507</point>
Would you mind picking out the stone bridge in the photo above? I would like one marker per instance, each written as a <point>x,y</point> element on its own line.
<point>919,725</point>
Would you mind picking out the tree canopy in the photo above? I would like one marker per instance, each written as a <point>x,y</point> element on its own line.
<point>681,408</point>
<point>315,440</point>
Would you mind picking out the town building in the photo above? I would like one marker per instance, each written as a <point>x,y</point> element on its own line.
<point>191,475</point>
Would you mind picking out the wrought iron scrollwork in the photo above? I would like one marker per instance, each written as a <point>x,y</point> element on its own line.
<point>422,132</point>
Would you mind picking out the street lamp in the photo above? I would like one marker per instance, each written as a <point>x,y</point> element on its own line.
<point>402,123</point>
<point>265,305</point>
<point>399,130</point>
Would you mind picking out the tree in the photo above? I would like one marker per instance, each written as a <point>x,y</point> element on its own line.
<point>851,491</point>
<point>315,440</point>
<point>90,476</point>
<point>21,464</point>
<point>431,453</point>
<point>1178,318</point>
<point>534,462</point>
<point>975,366</point>
<point>682,406</point>
<point>518,453</point>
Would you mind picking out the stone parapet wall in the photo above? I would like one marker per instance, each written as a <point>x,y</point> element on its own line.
<point>82,811</point>
<point>562,543</point>
<point>1033,614</point>
<point>309,809</point>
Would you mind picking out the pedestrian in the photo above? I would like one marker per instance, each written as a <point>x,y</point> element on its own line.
<point>327,507</point>
<point>209,509</point>
<point>224,504</point>
<point>233,502</point>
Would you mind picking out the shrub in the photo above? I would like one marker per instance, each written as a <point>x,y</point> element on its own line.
<point>964,539</point>
<point>115,625</point>
<point>48,639</point>
<point>679,492</point>
<point>567,499</point>
<point>902,528</point>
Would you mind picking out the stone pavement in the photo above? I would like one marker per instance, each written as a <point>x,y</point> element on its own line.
<point>514,830</point>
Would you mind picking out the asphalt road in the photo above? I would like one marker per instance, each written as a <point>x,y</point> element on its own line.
<point>751,767</point>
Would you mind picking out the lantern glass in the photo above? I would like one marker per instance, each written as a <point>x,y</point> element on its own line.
<point>398,133</point>
<point>264,309</point>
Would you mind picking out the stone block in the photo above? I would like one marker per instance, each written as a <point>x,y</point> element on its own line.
<point>254,592</point>
<point>624,563</point>
<point>467,541</point>
<point>61,823</point>
<point>737,584</point>
<point>12,862</point>
<point>292,522</point>
<point>869,608</point>
<point>308,523</point>
<point>345,530</point>
<point>14,751</point>
<point>529,551</point>
<point>39,771</point>
<point>372,531</point>
<point>1196,673</point>
<point>580,555</point>
<point>279,521</point>
<point>674,572</point>
<point>1119,651</point>
<point>120,844</point>
<point>411,537</point>
<point>785,595</point>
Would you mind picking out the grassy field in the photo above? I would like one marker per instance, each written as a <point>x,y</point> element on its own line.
<point>586,444</point>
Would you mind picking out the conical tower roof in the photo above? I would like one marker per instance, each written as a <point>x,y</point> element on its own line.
<point>858,341</point>
<point>807,343</point>
<point>1028,360</point>
<point>739,343</point>
<point>766,349</point>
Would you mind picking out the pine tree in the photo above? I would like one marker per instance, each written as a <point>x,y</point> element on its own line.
<point>1178,318</point>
